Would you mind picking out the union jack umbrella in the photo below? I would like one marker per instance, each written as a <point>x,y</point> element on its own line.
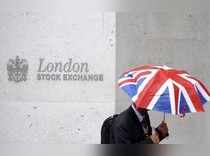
<point>164,89</point>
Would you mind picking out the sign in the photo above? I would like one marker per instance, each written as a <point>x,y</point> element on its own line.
<point>17,69</point>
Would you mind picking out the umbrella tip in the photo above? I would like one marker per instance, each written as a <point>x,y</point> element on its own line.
<point>166,67</point>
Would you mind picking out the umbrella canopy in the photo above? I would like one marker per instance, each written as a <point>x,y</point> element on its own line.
<point>164,89</point>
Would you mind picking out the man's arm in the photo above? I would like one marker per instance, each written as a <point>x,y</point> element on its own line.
<point>121,137</point>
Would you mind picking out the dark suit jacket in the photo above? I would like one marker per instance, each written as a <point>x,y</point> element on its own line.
<point>127,129</point>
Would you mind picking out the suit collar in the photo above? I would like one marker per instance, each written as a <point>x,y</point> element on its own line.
<point>139,116</point>
<point>134,116</point>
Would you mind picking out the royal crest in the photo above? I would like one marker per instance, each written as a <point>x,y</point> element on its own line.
<point>17,69</point>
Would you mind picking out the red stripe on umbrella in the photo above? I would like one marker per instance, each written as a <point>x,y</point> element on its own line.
<point>150,89</point>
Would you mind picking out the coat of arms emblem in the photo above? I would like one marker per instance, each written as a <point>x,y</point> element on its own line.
<point>17,69</point>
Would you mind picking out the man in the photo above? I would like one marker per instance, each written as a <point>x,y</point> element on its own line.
<point>133,126</point>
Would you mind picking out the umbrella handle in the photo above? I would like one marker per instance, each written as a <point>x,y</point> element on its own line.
<point>164,116</point>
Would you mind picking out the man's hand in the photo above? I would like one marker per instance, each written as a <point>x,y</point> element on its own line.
<point>155,138</point>
<point>162,130</point>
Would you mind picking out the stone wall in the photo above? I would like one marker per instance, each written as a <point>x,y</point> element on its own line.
<point>69,88</point>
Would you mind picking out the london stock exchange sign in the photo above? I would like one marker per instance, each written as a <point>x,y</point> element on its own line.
<point>68,70</point>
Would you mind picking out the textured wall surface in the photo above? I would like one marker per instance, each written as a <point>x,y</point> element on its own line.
<point>56,111</point>
<point>177,38</point>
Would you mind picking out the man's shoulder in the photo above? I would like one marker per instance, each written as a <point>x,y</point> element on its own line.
<point>125,119</point>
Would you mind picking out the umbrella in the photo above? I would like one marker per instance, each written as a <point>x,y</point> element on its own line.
<point>164,89</point>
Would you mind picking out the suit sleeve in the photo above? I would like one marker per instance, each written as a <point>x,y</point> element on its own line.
<point>122,137</point>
